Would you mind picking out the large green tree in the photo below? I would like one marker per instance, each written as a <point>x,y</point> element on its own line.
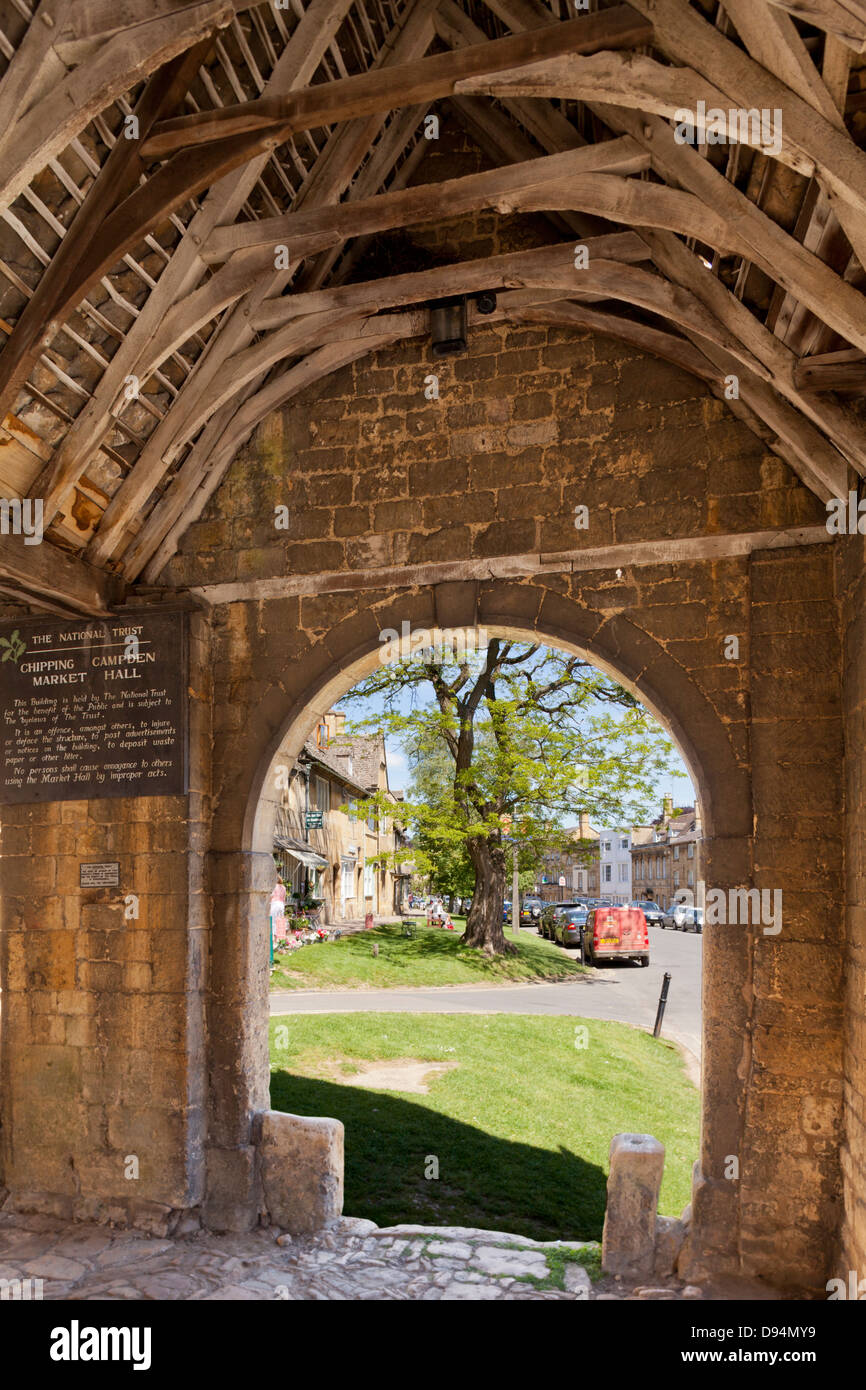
<point>509,743</point>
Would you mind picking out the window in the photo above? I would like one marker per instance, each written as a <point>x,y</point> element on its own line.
<point>623,873</point>
<point>691,850</point>
<point>347,879</point>
<point>607,846</point>
<point>608,873</point>
<point>322,794</point>
<point>676,851</point>
<point>676,879</point>
<point>691,878</point>
<point>368,880</point>
<point>623,844</point>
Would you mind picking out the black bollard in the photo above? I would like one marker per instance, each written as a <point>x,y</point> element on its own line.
<point>663,999</point>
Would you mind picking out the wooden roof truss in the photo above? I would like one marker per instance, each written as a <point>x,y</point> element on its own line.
<point>156,154</point>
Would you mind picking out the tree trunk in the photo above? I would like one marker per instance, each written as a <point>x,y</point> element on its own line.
<point>484,925</point>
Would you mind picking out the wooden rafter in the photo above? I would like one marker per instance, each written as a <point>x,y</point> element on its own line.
<point>425,80</point>
<point>297,65</point>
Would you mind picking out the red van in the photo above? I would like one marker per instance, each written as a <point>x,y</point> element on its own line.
<point>616,933</point>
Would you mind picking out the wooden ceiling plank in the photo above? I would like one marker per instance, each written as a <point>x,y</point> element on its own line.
<point>117,66</point>
<point>204,391</point>
<point>785,259</point>
<point>532,267</point>
<point>849,26</point>
<point>52,298</point>
<point>773,40</point>
<point>297,65</point>
<point>685,37</point>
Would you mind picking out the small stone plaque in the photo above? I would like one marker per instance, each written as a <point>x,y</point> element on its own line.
<point>99,875</point>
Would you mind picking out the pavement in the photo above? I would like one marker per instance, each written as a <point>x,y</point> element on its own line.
<point>43,1258</point>
<point>623,993</point>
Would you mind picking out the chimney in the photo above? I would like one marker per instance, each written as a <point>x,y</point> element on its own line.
<point>584,829</point>
<point>335,723</point>
<point>667,809</point>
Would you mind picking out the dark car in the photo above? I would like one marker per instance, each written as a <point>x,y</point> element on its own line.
<point>568,925</point>
<point>530,911</point>
<point>651,911</point>
<point>549,914</point>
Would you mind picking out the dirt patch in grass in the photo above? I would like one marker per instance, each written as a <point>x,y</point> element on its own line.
<point>406,1074</point>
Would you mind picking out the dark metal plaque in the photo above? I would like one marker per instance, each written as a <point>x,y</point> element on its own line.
<point>93,708</point>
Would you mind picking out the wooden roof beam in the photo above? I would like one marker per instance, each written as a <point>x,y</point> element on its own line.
<point>45,572</point>
<point>833,16</point>
<point>427,79</point>
<point>499,188</point>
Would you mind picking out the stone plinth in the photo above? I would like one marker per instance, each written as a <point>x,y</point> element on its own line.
<point>302,1170</point>
<point>636,1166</point>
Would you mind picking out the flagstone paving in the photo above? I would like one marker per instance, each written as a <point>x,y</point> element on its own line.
<point>353,1259</point>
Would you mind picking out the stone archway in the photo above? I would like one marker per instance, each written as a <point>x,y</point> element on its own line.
<point>319,677</point>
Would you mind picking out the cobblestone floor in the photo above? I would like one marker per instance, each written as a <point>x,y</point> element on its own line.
<point>353,1259</point>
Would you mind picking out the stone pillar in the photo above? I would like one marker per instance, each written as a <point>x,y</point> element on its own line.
<point>637,1164</point>
<point>103,1053</point>
<point>102,1019</point>
<point>789,1174</point>
<point>238,1016</point>
<point>852,588</point>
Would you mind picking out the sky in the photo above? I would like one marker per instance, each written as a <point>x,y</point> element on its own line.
<point>679,786</point>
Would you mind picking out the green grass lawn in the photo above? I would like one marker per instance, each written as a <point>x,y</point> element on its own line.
<point>432,957</point>
<point>521,1128</point>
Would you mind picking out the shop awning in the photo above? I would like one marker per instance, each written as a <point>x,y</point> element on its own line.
<point>301,852</point>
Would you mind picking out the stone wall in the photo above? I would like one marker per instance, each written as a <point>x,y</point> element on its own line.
<point>852,584</point>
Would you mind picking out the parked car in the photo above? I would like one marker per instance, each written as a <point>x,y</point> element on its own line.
<point>530,910</point>
<point>569,924</point>
<point>651,911</point>
<point>616,933</point>
<point>680,917</point>
<point>548,913</point>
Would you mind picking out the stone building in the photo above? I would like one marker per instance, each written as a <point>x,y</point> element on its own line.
<point>667,856</point>
<point>349,861</point>
<point>225,381</point>
<point>578,866</point>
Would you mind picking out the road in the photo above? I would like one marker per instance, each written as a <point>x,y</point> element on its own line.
<point>624,993</point>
